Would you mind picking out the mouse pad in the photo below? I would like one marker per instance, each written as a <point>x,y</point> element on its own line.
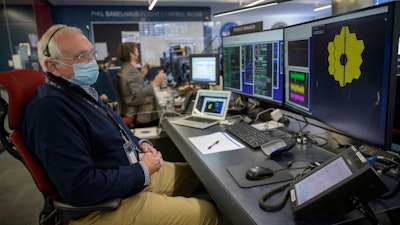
<point>238,172</point>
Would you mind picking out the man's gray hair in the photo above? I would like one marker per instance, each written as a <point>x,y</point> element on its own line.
<point>51,46</point>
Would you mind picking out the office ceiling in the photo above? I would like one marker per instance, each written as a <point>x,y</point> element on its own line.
<point>235,3</point>
<point>293,7</point>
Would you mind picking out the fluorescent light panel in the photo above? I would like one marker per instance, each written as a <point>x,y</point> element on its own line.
<point>244,9</point>
<point>152,4</point>
<point>322,8</point>
<point>254,3</point>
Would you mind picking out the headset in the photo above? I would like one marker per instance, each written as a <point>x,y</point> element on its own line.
<point>46,51</point>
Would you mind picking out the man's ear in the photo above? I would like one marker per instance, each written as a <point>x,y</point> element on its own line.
<point>52,68</point>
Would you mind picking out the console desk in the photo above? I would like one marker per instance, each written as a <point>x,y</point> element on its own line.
<point>240,205</point>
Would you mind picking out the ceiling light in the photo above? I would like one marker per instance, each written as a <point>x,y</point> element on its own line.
<point>244,9</point>
<point>254,3</point>
<point>322,8</point>
<point>152,3</point>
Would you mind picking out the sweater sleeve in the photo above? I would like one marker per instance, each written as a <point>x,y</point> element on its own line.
<point>81,151</point>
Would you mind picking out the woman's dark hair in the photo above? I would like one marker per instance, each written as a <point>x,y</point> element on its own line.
<point>124,50</point>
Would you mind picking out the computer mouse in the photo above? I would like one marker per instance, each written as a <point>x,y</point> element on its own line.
<point>258,172</point>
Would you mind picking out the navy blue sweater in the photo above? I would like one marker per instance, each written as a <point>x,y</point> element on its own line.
<point>81,149</point>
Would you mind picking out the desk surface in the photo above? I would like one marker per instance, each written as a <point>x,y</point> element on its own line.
<point>240,205</point>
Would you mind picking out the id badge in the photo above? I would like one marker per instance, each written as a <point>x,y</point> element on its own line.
<point>130,151</point>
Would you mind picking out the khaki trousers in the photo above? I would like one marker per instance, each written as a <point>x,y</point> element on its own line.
<point>163,202</point>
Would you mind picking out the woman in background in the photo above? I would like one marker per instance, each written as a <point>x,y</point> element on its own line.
<point>138,99</point>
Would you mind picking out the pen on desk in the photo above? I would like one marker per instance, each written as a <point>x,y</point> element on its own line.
<point>209,147</point>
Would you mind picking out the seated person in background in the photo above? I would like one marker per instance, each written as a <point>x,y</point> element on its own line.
<point>89,153</point>
<point>138,99</point>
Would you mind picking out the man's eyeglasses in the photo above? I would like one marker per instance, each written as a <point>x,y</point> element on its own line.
<point>84,57</point>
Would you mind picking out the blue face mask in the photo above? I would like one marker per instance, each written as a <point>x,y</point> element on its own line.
<point>85,74</point>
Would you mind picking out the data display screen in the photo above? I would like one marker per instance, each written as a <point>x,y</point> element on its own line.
<point>253,65</point>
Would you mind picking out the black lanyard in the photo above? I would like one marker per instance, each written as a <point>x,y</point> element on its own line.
<point>99,108</point>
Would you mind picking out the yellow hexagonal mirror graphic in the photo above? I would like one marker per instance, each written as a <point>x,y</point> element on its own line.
<point>345,57</point>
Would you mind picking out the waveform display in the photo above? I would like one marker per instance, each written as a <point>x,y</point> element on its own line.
<point>299,87</point>
<point>297,97</point>
<point>297,76</point>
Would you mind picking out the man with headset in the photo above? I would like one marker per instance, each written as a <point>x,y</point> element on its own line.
<point>90,154</point>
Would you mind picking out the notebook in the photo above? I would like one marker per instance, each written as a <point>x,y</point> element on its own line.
<point>210,107</point>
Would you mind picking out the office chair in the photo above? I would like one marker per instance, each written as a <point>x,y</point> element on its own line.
<point>131,122</point>
<point>21,86</point>
<point>128,121</point>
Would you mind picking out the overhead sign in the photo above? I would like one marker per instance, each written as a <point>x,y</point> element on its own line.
<point>247,28</point>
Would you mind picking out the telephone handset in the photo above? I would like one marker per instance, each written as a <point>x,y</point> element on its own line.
<point>187,105</point>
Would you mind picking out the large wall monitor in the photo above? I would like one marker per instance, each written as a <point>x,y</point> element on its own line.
<point>353,70</point>
<point>253,65</point>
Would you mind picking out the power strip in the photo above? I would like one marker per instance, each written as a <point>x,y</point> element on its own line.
<point>369,151</point>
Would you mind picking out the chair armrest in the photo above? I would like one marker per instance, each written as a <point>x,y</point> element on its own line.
<point>68,212</point>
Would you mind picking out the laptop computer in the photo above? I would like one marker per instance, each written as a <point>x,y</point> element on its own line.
<point>210,107</point>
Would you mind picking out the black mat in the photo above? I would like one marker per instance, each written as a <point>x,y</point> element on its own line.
<point>238,173</point>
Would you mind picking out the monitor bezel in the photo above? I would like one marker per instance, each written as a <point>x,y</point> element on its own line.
<point>275,35</point>
<point>393,8</point>
<point>205,84</point>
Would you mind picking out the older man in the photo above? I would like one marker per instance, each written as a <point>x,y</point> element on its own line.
<point>90,154</point>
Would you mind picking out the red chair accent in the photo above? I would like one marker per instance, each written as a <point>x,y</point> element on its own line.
<point>21,85</point>
<point>128,121</point>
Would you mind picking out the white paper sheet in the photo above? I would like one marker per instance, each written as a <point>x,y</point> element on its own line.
<point>216,142</point>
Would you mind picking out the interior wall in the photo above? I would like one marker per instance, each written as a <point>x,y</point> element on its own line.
<point>156,29</point>
<point>17,25</point>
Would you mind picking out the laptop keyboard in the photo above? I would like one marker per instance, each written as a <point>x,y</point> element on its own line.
<point>249,134</point>
<point>199,119</point>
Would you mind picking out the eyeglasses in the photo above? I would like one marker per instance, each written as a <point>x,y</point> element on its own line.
<point>83,58</point>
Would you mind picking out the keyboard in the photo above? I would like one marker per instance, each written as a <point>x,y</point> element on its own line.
<point>248,134</point>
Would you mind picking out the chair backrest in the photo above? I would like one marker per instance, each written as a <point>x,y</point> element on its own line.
<point>114,87</point>
<point>113,80</point>
<point>21,85</point>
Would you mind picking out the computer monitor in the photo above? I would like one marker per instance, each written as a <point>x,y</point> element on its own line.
<point>204,70</point>
<point>297,41</point>
<point>252,65</point>
<point>175,67</point>
<point>297,64</point>
<point>353,69</point>
<point>183,68</point>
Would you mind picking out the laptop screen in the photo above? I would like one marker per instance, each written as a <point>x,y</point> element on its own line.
<point>211,104</point>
